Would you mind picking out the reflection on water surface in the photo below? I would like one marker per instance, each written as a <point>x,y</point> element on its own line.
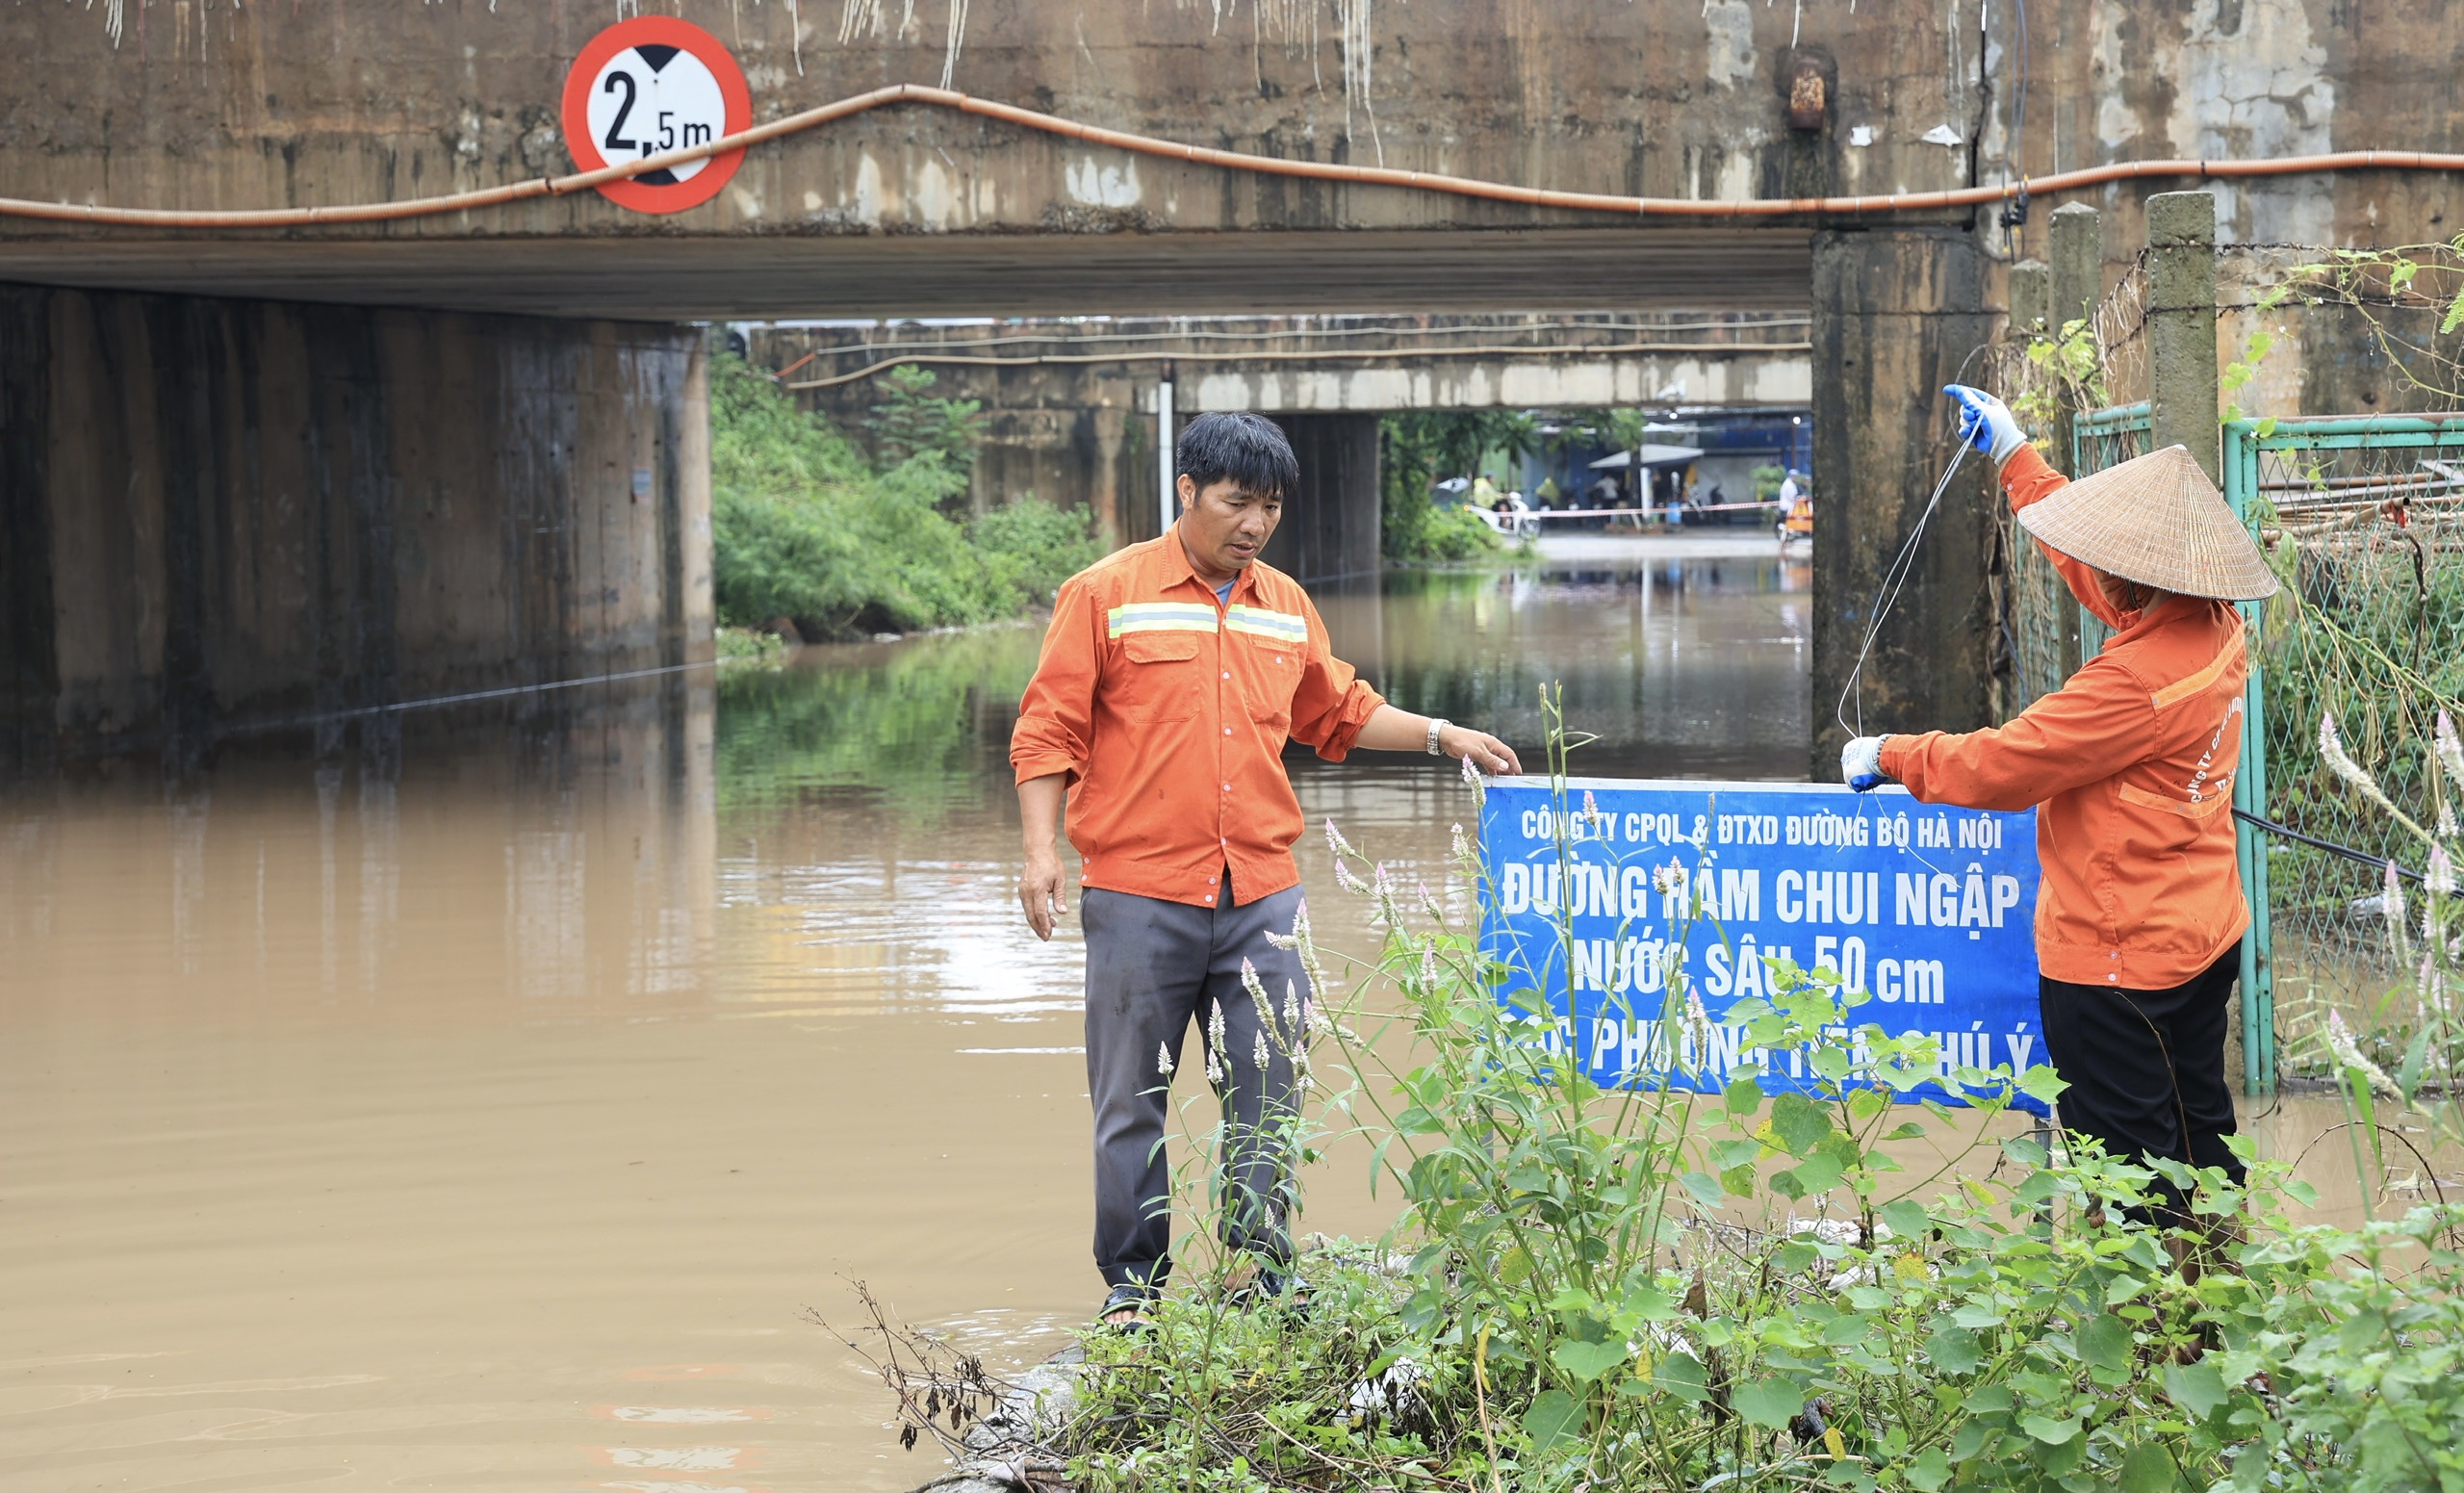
<point>479,1099</point>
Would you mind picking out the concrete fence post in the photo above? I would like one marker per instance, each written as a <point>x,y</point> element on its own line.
<point>2032,316</point>
<point>2181,326</point>
<point>2078,274</point>
<point>2031,297</point>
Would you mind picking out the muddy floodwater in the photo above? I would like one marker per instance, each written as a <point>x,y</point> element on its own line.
<point>479,1098</point>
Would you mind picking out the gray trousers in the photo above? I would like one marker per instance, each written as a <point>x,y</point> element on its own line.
<point>1152,968</point>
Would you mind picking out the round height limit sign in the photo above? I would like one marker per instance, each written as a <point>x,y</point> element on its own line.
<point>644,88</point>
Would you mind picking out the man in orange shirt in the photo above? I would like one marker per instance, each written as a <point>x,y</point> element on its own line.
<point>2130,764</point>
<point>1173,675</point>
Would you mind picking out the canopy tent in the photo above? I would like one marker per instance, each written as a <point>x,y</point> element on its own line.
<point>1653,456</point>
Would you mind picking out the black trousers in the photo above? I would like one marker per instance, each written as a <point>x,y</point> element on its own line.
<point>2146,1067</point>
<point>1153,969</point>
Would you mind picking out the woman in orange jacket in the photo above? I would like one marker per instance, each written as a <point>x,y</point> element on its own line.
<point>2130,764</point>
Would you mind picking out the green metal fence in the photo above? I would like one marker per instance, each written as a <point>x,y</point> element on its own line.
<point>2365,518</point>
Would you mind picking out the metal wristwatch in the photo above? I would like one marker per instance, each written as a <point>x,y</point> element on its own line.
<point>1434,727</point>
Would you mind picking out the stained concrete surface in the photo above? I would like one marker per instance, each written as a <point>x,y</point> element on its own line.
<point>225,512</point>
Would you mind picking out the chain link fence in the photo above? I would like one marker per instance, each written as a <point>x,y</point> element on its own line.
<point>2364,521</point>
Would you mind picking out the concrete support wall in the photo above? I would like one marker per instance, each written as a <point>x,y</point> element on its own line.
<point>1330,526</point>
<point>1895,315</point>
<point>244,511</point>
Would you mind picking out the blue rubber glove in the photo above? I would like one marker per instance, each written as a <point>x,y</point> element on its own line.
<point>1986,422</point>
<point>1861,763</point>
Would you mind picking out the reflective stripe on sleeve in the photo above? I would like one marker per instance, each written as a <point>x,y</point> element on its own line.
<point>1158,617</point>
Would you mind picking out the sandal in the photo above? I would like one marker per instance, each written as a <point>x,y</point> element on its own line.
<point>1271,1288</point>
<point>1129,1297</point>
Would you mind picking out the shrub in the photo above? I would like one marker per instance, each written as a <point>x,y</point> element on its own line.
<point>1655,1289</point>
<point>804,526</point>
<point>1414,451</point>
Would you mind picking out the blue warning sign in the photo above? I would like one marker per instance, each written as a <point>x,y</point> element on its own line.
<point>1645,911</point>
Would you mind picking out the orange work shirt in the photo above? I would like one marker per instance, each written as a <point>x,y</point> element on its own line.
<point>1167,710</point>
<point>2131,763</point>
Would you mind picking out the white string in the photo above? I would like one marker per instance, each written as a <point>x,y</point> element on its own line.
<point>1887,596</point>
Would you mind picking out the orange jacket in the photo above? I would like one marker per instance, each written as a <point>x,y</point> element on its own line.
<point>2132,764</point>
<point>1167,711</point>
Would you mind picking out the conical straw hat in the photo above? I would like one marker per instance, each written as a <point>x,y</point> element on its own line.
<point>2157,520</point>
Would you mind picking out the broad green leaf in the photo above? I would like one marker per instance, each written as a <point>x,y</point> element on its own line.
<point>1953,1351</point>
<point>1907,1218</point>
<point>2036,1188</point>
<point>1704,1190</point>
<point>2148,1469</point>
<point>1977,1314</point>
<point>1681,1374</point>
<point>1552,1417</point>
<point>2058,1457</point>
<point>1969,1440</point>
<point>2196,1387</point>
<point>1589,1361</point>
<point>1649,1303</point>
<point>1742,1096</point>
<point>2041,1083</point>
<point>2045,1428</point>
<point>2361,1331</point>
<point>1842,1330</point>
<point>1771,1402</point>
<point>2104,1342</point>
<point>1800,1123</point>
<point>1727,1155</point>
<point>1931,1470</point>
<point>1812,1176</point>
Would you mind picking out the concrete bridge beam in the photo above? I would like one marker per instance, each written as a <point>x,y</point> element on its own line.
<point>1068,406</point>
<point>221,514</point>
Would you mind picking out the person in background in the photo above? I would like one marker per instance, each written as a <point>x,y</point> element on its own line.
<point>1172,674</point>
<point>1788,490</point>
<point>2140,914</point>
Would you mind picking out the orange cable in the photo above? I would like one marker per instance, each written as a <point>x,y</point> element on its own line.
<point>1230,160</point>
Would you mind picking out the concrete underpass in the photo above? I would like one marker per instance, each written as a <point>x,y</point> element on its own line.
<point>252,475</point>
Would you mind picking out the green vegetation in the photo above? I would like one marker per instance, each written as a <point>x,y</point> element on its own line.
<point>1423,447</point>
<point>1418,449</point>
<point>924,724</point>
<point>806,527</point>
<point>1772,1287</point>
<point>741,646</point>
